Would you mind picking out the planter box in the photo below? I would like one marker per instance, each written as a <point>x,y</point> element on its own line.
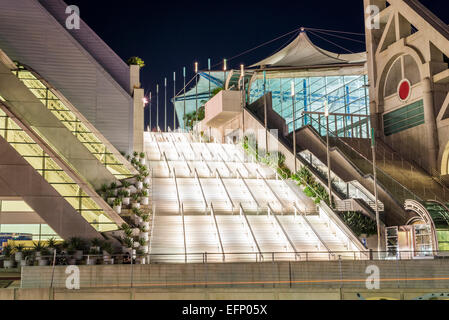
<point>126,201</point>
<point>135,205</point>
<point>43,262</point>
<point>118,209</point>
<point>8,264</point>
<point>145,201</point>
<point>18,256</point>
<point>145,236</point>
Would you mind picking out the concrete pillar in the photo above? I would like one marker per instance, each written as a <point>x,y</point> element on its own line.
<point>134,77</point>
<point>431,127</point>
<point>138,126</point>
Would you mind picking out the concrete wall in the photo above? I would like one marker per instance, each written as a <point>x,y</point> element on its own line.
<point>300,275</point>
<point>217,294</point>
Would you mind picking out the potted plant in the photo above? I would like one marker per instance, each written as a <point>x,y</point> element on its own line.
<point>110,197</point>
<point>142,158</point>
<point>43,260</point>
<point>77,245</point>
<point>146,187</point>
<point>144,235</point>
<point>125,185</point>
<point>139,183</point>
<point>7,253</point>
<point>95,244</point>
<point>117,205</point>
<point>125,198</point>
<point>92,256</point>
<point>104,188</point>
<point>127,245</point>
<point>51,244</point>
<point>137,215</point>
<point>107,252</point>
<point>144,200</point>
<point>25,255</point>
<point>64,247</point>
<point>18,256</point>
<point>135,201</point>
<point>38,249</point>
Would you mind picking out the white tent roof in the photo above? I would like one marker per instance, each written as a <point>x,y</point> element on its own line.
<point>302,52</point>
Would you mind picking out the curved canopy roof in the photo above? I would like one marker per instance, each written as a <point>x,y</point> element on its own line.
<point>301,52</point>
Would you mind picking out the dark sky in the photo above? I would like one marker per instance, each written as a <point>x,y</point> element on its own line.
<point>168,35</point>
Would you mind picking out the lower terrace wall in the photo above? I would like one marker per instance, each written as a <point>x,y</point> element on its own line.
<point>295,275</point>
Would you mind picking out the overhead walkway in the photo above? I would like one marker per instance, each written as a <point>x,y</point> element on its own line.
<point>212,202</point>
<point>78,125</point>
<point>37,118</point>
<point>32,170</point>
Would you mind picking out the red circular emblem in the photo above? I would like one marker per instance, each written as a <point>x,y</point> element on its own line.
<point>404,90</point>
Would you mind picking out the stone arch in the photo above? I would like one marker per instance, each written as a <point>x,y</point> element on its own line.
<point>385,69</point>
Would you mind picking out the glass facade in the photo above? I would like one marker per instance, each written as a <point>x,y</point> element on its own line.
<point>54,174</point>
<point>347,98</point>
<point>73,123</point>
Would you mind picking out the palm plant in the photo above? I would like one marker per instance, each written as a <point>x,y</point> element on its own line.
<point>39,246</point>
<point>104,187</point>
<point>19,248</point>
<point>142,242</point>
<point>107,247</point>
<point>8,251</point>
<point>135,197</point>
<point>128,242</point>
<point>142,154</point>
<point>137,212</point>
<point>76,243</point>
<point>51,243</point>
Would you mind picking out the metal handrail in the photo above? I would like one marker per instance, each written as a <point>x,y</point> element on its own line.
<point>304,216</point>
<point>245,219</point>
<point>217,229</point>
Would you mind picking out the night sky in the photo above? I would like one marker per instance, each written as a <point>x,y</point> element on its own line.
<point>168,35</point>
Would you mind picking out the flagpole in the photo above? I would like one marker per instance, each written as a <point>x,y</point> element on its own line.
<point>224,70</point>
<point>174,99</point>
<point>157,107</point>
<point>184,114</point>
<point>165,104</point>
<point>196,92</point>
<point>149,109</point>
<point>208,68</point>
<point>294,122</point>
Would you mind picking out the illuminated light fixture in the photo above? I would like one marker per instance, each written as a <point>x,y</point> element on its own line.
<point>145,101</point>
<point>326,109</point>
<point>242,70</point>
<point>224,64</point>
<point>196,67</point>
<point>292,88</point>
